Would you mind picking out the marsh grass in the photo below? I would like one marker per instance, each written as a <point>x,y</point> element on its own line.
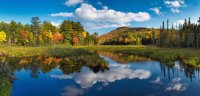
<point>188,56</point>
<point>58,51</point>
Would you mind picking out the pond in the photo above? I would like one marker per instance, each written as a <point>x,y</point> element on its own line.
<point>103,74</point>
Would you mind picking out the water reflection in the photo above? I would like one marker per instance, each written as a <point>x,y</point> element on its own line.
<point>108,74</point>
<point>124,58</point>
<point>5,79</point>
<point>179,69</point>
<point>87,79</point>
<point>44,64</point>
<point>41,65</point>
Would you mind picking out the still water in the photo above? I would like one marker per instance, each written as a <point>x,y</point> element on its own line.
<point>105,74</point>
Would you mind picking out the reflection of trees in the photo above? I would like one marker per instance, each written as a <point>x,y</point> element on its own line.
<point>170,71</point>
<point>74,64</point>
<point>43,64</point>
<point>5,87</point>
<point>5,78</point>
<point>124,58</point>
<point>69,64</point>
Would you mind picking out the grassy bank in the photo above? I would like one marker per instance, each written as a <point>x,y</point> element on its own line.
<point>59,51</point>
<point>169,55</point>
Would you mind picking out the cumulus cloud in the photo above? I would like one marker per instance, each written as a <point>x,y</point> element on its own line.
<point>105,17</point>
<point>87,78</point>
<point>156,10</point>
<point>89,13</point>
<point>62,14</point>
<point>109,17</point>
<point>175,5</point>
<point>73,2</point>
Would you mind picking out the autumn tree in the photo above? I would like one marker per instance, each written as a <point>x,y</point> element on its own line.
<point>2,37</point>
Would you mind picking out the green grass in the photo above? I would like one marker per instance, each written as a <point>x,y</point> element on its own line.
<point>187,55</point>
<point>19,51</point>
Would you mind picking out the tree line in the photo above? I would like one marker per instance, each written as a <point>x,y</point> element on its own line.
<point>39,33</point>
<point>184,35</point>
<point>130,36</point>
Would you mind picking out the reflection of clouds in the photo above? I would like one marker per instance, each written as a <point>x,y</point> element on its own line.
<point>72,91</point>
<point>177,65</point>
<point>61,76</point>
<point>87,78</point>
<point>157,81</point>
<point>176,85</point>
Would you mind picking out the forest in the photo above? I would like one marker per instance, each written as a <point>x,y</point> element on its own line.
<point>169,35</point>
<point>130,36</point>
<point>186,35</point>
<point>39,33</point>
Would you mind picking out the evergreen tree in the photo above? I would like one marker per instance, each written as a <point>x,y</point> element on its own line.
<point>35,28</point>
<point>13,29</point>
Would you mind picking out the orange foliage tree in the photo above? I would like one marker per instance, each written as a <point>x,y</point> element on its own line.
<point>75,40</point>
<point>57,37</point>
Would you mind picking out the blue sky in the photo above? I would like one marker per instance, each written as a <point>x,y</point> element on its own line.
<point>101,15</point>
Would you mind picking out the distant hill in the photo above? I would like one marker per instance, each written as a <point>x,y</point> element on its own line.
<point>121,31</point>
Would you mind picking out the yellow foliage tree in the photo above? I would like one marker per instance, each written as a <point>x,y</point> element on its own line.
<point>84,34</point>
<point>2,37</point>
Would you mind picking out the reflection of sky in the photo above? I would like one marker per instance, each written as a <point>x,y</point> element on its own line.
<point>87,78</point>
<point>132,79</point>
<point>148,71</point>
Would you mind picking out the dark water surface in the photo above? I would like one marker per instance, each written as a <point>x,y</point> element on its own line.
<point>104,75</point>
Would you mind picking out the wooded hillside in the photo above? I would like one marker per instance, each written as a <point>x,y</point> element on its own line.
<point>130,36</point>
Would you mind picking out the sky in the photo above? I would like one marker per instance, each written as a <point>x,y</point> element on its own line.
<point>102,16</point>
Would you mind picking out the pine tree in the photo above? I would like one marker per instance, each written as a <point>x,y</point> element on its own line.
<point>35,28</point>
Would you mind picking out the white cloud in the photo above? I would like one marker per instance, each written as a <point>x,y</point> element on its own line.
<point>62,14</point>
<point>87,13</point>
<point>87,78</point>
<point>175,5</point>
<point>175,10</point>
<point>55,23</point>
<point>73,2</point>
<point>156,10</point>
<point>179,22</point>
<point>93,18</point>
